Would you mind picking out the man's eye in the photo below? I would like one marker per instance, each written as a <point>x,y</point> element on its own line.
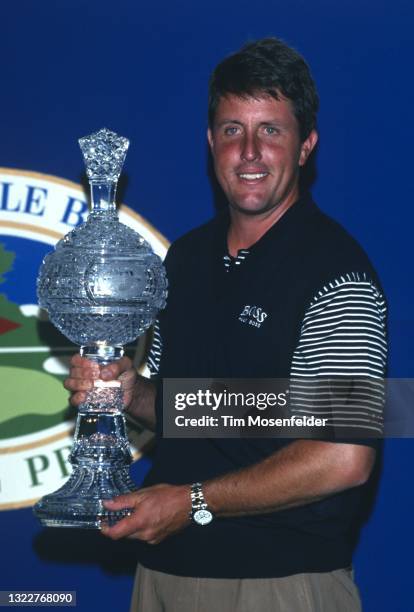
<point>230,130</point>
<point>269,129</point>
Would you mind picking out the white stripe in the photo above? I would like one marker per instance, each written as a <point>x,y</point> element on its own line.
<point>38,349</point>
<point>356,351</point>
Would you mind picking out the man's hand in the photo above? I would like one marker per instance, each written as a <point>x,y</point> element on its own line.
<point>84,372</point>
<point>157,512</point>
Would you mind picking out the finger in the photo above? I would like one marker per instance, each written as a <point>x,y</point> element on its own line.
<point>115,369</point>
<point>126,527</point>
<point>76,384</point>
<point>77,398</point>
<point>84,373</point>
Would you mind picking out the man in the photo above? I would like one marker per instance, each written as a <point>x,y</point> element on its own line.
<point>278,513</point>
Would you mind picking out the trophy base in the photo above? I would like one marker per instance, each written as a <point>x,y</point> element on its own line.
<point>72,506</point>
<point>100,458</point>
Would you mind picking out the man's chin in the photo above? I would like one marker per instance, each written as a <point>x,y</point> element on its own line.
<point>252,210</point>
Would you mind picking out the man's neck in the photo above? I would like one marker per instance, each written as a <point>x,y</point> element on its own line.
<point>246,230</point>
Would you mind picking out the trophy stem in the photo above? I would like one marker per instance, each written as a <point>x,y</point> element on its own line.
<point>100,457</point>
<point>103,197</point>
<point>102,352</point>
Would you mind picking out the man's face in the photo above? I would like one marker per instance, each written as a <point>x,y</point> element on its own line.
<point>257,152</point>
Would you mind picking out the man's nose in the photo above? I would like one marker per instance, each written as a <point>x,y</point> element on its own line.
<point>250,148</point>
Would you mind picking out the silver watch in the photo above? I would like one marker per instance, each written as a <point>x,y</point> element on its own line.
<point>200,512</point>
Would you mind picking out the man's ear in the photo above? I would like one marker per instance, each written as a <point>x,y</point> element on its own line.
<point>210,139</point>
<point>307,147</point>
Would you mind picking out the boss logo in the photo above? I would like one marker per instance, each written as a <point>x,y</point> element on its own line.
<point>252,315</point>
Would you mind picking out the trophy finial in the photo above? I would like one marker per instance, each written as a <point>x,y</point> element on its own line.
<point>104,153</point>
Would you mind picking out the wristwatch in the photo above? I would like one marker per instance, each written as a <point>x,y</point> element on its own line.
<point>200,513</point>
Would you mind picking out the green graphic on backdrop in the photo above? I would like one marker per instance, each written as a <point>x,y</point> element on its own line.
<point>32,399</point>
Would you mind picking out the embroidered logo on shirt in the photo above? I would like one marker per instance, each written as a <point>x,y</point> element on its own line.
<point>252,315</point>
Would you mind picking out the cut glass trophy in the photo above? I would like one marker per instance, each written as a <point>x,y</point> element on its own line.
<point>102,287</point>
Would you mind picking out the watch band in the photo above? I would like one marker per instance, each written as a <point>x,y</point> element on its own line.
<point>200,512</point>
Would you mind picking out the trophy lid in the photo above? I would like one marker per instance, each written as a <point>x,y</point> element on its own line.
<point>104,154</point>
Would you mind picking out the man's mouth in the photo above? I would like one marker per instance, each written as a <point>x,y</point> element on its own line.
<point>252,176</point>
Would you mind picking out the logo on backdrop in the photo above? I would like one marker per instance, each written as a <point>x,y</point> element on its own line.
<point>36,423</point>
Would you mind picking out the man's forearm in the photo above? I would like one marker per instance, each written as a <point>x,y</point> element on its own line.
<point>142,406</point>
<point>302,472</point>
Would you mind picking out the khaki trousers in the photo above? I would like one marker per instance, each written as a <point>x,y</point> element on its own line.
<point>320,592</point>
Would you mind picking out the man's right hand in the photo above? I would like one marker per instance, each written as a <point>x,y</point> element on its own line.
<point>83,373</point>
<point>138,392</point>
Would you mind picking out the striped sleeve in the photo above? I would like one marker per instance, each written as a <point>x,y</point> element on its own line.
<point>154,355</point>
<point>338,366</point>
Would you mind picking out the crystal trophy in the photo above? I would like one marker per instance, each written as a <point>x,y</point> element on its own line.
<point>102,287</point>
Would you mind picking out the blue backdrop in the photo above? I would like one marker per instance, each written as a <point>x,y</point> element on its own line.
<point>141,69</point>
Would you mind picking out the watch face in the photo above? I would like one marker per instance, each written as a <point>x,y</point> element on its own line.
<point>203,517</point>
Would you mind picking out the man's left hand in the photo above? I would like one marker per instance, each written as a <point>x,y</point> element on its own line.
<point>156,513</point>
